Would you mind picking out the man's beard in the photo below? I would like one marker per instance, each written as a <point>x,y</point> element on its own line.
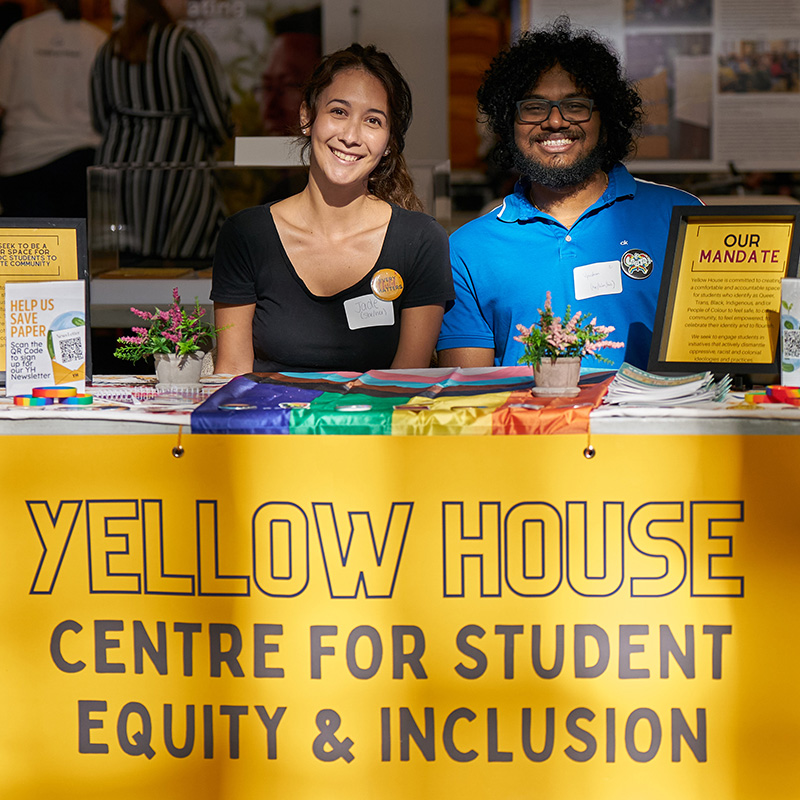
<point>572,175</point>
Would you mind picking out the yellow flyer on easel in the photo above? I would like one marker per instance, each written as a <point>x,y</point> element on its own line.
<point>45,335</point>
<point>34,250</point>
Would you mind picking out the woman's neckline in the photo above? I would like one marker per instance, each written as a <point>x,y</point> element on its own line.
<point>296,276</point>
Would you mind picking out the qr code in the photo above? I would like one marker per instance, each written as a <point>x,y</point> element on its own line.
<point>72,349</point>
<point>791,344</point>
<point>69,347</point>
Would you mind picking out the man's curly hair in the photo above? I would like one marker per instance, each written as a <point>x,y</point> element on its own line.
<point>595,68</point>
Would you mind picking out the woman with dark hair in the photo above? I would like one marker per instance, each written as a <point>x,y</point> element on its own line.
<point>159,98</point>
<point>48,140</point>
<point>348,274</point>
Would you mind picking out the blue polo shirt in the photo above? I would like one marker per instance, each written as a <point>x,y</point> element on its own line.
<point>506,261</point>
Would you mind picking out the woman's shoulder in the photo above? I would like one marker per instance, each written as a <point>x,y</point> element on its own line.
<point>170,34</point>
<point>252,214</point>
<point>250,222</point>
<point>413,220</point>
<point>416,226</point>
<point>188,38</point>
<point>249,234</point>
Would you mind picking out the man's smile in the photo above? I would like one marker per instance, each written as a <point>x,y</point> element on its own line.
<point>557,141</point>
<point>556,144</point>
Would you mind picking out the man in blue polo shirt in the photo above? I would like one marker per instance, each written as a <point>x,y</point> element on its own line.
<point>578,224</point>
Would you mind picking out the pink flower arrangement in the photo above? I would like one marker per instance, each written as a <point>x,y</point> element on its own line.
<point>172,331</point>
<point>553,338</point>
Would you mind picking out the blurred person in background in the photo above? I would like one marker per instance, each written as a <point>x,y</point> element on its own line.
<point>159,97</point>
<point>48,140</point>
<point>295,51</point>
<point>10,14</point>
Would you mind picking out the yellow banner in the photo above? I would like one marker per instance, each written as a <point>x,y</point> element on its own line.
<point>390,617</point>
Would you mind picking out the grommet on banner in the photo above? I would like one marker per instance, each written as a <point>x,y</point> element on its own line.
<point>589,451</point>
<point>178,450</point>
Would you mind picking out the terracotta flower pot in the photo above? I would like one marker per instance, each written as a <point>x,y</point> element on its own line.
<point>557,378</point>
<point>175,370</point>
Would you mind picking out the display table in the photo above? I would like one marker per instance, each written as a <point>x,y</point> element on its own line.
<point>126,404</point>
<point>122,405</point>
<point>385,616</point>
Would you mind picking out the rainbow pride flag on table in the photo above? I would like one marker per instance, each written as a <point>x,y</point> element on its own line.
<point>441,401</point>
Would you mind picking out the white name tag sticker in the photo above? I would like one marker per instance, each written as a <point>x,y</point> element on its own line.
<point>593,280</point>
<point>368,311</point>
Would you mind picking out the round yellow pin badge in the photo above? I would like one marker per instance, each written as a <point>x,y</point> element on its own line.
<point>386,284</point>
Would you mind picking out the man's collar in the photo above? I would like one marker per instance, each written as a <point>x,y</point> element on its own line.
<point>518,208</point>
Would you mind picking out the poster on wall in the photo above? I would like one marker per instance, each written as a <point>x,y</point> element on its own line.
<point>702,68</point>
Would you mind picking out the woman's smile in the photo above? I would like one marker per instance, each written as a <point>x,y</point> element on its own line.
<point>348,157</point>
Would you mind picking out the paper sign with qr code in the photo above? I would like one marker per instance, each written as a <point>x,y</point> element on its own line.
<point>790,332</point>
<point>45,335</point>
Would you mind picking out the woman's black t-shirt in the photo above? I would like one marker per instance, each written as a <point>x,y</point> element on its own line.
<point>352,330</point>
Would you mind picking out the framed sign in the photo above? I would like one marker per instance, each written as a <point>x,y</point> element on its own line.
<point>720,297</point>
<point>42,249</point>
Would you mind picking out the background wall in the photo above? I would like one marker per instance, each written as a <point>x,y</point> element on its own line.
<point>415,33</point>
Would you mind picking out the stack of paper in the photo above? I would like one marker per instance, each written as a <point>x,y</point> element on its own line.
<point>635,387</point>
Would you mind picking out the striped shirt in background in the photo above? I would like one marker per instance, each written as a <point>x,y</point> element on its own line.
<point>171,109</point>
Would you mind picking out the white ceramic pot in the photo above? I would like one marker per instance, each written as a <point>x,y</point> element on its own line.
<point>557,378</point>
<point>175,370</point>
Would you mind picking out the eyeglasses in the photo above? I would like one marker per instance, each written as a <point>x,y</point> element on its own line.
<point>572,109</point>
